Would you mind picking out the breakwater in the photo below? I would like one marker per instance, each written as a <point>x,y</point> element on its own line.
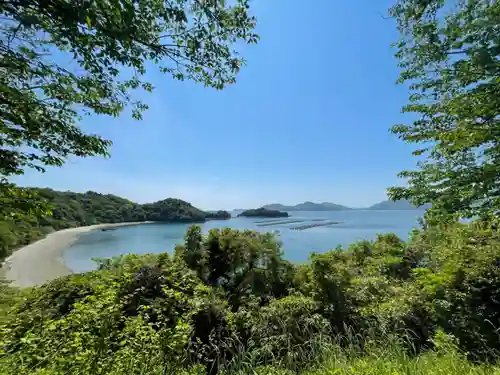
<point>280,222</point>
<point>308,226</point>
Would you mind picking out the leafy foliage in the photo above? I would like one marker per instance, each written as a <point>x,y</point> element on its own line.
<point>19,203</point>
<point>229,303</point>
<point>450,56</point>
<point>108,44</point>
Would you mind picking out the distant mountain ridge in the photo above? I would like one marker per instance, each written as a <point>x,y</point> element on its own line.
<point>308,206</point>
<point>327,206</point>
<point>397,205</point>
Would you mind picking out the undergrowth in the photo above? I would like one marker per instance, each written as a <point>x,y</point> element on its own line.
<point>228,303</point>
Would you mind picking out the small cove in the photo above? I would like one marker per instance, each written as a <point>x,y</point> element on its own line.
<point>354,225</point>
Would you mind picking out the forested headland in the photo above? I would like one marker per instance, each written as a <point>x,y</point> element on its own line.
<point>69,210</point>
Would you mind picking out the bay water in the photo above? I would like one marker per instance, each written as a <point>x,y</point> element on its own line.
<point>297,244</point>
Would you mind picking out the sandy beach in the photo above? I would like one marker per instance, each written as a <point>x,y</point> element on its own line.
<point>42,261</point>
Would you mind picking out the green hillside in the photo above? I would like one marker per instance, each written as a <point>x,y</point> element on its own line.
<point>71,209</point>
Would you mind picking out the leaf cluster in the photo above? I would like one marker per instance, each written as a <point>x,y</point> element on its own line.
<point>449,54</point>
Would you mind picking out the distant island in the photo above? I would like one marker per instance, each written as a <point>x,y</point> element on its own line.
<point>217,215</point>
<point>327,206</point>
<point>263,212</point>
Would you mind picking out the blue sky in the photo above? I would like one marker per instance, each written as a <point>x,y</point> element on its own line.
<point>308,119</point>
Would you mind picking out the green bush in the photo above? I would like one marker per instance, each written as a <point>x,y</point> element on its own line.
<point>229,303</point>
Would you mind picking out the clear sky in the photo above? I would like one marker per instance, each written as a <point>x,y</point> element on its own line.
<point>308,119</point>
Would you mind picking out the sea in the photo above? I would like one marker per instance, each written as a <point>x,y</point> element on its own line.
<point>354,225</point>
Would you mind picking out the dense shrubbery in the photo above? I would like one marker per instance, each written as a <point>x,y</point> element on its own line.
<point>77,209</point>
<point>230,302</point>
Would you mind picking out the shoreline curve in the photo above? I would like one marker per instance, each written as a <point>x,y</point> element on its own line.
<point>42,261</point>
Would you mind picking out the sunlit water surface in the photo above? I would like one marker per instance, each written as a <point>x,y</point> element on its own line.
<point>297,244</point>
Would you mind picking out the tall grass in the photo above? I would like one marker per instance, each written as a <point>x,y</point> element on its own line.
<point>389,359</point>
<point>374,353</point>
<point>351,354</point>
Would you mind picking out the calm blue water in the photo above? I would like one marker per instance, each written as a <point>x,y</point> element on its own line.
<point>297,244</point>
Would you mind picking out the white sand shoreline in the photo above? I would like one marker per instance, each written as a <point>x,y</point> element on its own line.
<point>42,261</point>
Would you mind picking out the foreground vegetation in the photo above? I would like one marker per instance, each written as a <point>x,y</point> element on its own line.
<point>70,210</point>
<point>228,302</point>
